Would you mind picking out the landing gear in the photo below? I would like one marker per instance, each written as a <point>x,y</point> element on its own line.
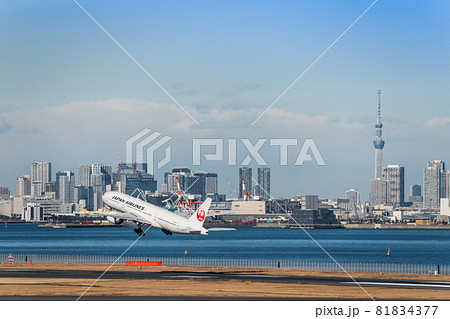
<point>167,232</point>
<point>139,231</point>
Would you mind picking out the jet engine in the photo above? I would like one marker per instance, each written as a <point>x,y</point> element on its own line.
<point>113,220</point>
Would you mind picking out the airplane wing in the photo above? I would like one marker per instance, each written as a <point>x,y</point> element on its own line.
<point>126,216</point>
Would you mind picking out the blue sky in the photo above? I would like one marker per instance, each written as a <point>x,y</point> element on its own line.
<point>70,95</point>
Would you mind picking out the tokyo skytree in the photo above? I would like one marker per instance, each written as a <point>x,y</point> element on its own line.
<point>378,143</point>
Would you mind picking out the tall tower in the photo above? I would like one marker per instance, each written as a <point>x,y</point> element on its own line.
<point>378,143</point>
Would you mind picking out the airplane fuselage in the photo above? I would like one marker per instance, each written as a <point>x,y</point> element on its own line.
<point>136,210</point>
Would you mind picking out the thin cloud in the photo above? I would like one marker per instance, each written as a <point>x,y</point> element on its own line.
<point>438,123</point>
<point>5,128</point>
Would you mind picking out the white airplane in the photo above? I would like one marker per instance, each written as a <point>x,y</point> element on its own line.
<point>128,208</point>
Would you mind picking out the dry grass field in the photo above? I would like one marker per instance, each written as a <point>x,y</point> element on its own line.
<point>192,288</point>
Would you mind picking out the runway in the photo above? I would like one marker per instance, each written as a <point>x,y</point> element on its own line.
<point>212,277</point>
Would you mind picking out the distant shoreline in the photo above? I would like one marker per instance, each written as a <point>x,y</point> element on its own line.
<point>395,226</point>
<point>273,225</point>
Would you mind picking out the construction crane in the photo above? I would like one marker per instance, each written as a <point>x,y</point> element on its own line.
<point>182,201</point>
<point>245,191</point>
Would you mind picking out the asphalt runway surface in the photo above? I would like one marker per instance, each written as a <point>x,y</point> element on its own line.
<point>206,276</point>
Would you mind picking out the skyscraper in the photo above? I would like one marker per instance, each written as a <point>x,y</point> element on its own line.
<point>211,183</point>
<point>65,186</point>
<point>208,182</point>
<point>84,175</point>
<point>415,190</point>
<point>95,175</point>
<point>170,180</point>
<point>378,192</point>
<point>263,189</point>
<point>23,186</point>
<point>434,184</point>
<point>245,173</point>
<point>353,199</point>
<point>128,179</point>
<point>447,184</point>
<point>198,182</point>
<point>415,196</point>
<point>394,175</point>
<point>41,173</point>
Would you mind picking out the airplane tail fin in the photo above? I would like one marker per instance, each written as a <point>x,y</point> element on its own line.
<point>199,216</point>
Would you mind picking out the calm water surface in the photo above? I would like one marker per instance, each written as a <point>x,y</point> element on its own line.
<point>345,245</point>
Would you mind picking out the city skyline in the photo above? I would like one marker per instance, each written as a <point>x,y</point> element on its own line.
<point>72,96</point>
<point>98,176</point>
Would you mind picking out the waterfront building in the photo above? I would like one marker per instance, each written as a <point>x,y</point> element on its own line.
<point>216,197</point>
<point>128,178</point>
<point>202,183</point>
<point>84,175</point>
<point>170,180</point>
<point>23,186</point>
<point>4,192</point>
<point>378,192</point>
<point>353,200</point>
<point>41,173</point>
<point>245,174</point>
<point>49,206</point>
<point>415,190</point>
<point>211,182</point>
<point>84,195</point>
<point>434,184</point>
<point>195,183</point>
<point>282,206</point>
<point>447,184</point>
<point>315,218</point>
<point>309,202</point>
<point>19,203</point>
<point>445,206</point>
<point>142,181</point>
<point>394,175</point>
<point>6,207</point>
<point>50,190</point>
<point>65,186</point>
<point>94,181</point>
<point>33,213</point>
<point>415,196</point>
<point>255,207</point>
<point>95,175</point>
<point>263,187</point>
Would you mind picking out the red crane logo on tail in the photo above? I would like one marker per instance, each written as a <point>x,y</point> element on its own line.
<point>201,214</point>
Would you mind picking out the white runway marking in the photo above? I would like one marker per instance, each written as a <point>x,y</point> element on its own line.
<point>401,284</point>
